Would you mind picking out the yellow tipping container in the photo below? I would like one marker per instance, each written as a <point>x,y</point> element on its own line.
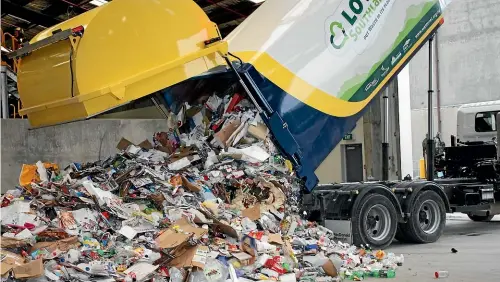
<point>128,49</point>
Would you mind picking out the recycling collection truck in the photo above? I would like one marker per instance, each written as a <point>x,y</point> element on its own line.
<point>310,67</point>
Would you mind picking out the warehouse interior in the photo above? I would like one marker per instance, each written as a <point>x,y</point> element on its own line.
<point>375,188</point>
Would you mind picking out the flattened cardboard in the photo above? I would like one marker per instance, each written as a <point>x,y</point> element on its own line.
<point>223,135</point>
<point>123,144</point>
<point>225,228</point>
<point>6,242</point>
<point>171,238</point>
<point>260,131</point>
<point>168,149</point>
<point>63,245</point>
<point>275,238</point>
<point>194,256</point>
<point>9,261</point>
<point>252,213</point>
<point>146,145</point>
<point>29,270</point>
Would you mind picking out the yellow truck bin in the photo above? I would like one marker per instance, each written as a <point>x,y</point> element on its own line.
<point>112,55</point>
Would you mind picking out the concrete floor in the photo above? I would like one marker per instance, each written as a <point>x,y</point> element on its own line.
<point>478,257</point>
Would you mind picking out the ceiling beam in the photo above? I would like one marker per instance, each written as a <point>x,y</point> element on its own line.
<point>58,9</point>
<point>29,15</point>
<point>23,2</point>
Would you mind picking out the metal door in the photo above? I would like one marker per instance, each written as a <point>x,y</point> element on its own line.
<point>354,162</point>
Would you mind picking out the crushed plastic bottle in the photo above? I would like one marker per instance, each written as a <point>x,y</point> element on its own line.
<point>357,275</point>
<point>390,273</point>
<point>441,274</point>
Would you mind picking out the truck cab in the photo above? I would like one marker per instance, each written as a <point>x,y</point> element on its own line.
<point>476,122</point>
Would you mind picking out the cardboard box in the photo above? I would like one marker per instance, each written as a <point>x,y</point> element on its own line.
<point>171,238</point>
<point>193,257</point>
<point>32,269</point>
<point>9,261</point>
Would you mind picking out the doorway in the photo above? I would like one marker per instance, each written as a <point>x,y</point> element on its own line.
<point>353,162</point>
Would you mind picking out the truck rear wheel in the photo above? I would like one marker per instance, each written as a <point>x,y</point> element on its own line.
<point>375,222</point>
<point>482,218</point>
<point>427,219</point>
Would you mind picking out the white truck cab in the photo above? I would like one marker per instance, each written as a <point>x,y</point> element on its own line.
<point>476,122</point>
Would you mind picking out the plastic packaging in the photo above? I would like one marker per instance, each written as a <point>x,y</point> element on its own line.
<point>248,225</point>
<point>215,271</point>
<point>176,275</point>
<point>197,276</point>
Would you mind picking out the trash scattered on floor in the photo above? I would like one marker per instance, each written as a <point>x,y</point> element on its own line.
<point>441,274</point>
<point>209,200</point>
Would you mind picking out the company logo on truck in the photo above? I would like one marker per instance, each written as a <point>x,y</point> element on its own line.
<point>356,21</point>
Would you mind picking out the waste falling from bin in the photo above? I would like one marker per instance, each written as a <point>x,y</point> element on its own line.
<point>209,200</point>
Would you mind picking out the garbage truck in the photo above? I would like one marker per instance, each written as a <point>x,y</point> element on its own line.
<point>311,69</point>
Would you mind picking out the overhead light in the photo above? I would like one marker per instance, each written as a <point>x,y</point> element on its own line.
<point>257,1</point>
<point>98,2</point>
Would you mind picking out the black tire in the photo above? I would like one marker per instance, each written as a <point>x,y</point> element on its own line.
<point>387,222</point>
<point>480,218</point>
<point>427,220</point>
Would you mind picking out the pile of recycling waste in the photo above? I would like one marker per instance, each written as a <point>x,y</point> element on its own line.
<point>209,200</point>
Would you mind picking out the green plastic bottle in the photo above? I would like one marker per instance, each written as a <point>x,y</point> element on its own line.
<point>387,273</point>
<point>375,273</point>
<point>357,274</point>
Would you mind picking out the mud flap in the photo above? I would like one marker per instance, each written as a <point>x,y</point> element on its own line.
<point>342,230</point>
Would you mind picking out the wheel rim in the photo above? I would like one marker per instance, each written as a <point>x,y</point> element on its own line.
<point>429,216</point>
<point>378,222</point>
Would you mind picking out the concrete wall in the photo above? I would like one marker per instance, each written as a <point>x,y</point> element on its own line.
<point>469,66</point>
<point>81,141</point>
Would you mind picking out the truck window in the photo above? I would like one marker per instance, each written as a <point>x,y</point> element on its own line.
<point>486,121</point>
